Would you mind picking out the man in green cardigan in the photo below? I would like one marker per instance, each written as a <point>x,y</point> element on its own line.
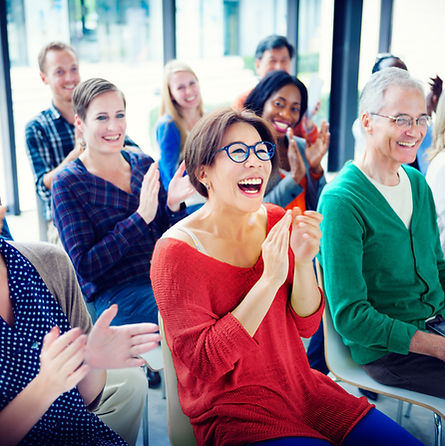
<point>384,271</point>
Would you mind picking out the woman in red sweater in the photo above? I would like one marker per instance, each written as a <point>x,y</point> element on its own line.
<point>235,285</point>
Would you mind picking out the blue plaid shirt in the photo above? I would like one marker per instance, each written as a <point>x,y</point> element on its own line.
<point>49,139</point>
<point>107,240</point>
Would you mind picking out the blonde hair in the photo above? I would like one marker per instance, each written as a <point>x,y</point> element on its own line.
<point>168,106</point>
<point>438,131</point>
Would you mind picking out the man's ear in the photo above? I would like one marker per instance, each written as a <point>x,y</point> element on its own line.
<point>43,77</point>
<point>367,123</point>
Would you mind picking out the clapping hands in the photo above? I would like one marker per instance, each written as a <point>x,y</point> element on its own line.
<point>111,347</point>
<point>179,188</point>
<point>304,241</point>
<point>315,152</point>
<point>62,360</point>
<point>149,196</point>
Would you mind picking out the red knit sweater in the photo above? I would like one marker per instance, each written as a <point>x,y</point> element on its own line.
<point>237,389</point>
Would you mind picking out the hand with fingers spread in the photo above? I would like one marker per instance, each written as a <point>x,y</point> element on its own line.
<point>179,188</point>
<point>306,235</point>
<point>111,347</point>
<point>62,360</point>
<point>296,163</point>
<point>275,251</point>
<point>148,199</point>
<point>315,152</point>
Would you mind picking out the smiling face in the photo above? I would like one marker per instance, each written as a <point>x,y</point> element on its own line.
<point>184,90</point>
<point>240,185</point>
<point>61,74</point>
<point>282,109</point>
<point>105,123</point>
<point>274,59</point>
<point>389,143</point>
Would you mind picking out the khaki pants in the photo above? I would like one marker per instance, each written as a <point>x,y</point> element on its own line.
<point>122,402</point>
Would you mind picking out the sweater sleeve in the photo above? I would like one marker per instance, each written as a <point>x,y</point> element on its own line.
<point>282,191</point>
<point>202,343</point>
<point>57,272</point>
<point>341,256</point>
<point>315,184</point>
<point>36,147</point>
<point>169,142</point>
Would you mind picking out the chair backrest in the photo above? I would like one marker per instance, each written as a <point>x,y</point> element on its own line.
<point>339,361</point>
<point>43,224</point>
<point>180,430</point>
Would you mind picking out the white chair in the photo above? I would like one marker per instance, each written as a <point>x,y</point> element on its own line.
<point>340,363</point>
<point>180,430</point>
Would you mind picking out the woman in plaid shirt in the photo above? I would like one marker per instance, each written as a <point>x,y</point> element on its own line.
<point>110,208</point>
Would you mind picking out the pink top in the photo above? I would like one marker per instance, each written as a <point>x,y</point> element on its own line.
<point>237,389</point>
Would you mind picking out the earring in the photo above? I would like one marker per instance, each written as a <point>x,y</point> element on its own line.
<point>206,185</point>
<point>83,145</point>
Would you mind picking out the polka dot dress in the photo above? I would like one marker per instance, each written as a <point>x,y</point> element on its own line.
<point>36,311</point>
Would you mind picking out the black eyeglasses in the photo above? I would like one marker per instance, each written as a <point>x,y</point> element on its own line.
<point>405,121</point>
<point>238,152</point>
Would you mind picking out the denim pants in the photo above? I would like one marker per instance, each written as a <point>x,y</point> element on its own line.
<point>373,429</point>
<point>135,300</point>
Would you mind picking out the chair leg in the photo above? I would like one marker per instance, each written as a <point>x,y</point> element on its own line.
<point>408,410</point>
<point>163,384</point>
<point>399,412</point>
<point>145,434</point>
<point>145,423</point>
<point>438,429</point>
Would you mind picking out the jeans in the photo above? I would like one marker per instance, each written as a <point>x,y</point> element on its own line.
<point>135,300</point>
<point>373,429</point>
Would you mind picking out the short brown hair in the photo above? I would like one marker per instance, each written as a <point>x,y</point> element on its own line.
<point>52,46</point>
<point>205,139</point>
<point>86,91</point>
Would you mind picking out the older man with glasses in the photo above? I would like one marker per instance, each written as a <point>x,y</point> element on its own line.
<point>384,270</point>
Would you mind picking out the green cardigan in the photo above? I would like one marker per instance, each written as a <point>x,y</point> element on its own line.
<point>381,280</point>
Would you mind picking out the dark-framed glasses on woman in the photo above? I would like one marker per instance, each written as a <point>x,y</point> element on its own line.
<point>238,152</point>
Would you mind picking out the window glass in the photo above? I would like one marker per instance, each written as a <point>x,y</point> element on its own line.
<point>315,33</point>
<point>119,41</point>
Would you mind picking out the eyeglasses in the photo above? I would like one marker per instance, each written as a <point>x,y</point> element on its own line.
<point>238,152</point>
<point>405,121</point>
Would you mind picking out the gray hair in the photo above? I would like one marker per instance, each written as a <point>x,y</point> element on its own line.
<point>372,98</point>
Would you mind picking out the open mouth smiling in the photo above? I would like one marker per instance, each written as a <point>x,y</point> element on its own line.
<point>407,144</point>
<point>251,185</point>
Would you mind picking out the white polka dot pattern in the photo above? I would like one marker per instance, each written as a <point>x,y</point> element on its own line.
<point>36,311</point>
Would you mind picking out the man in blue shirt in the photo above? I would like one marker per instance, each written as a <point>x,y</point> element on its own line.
<point>51,139</point>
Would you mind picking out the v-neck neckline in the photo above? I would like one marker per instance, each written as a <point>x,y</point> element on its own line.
<point>128,159</point>
<point>381,198</point>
